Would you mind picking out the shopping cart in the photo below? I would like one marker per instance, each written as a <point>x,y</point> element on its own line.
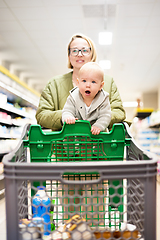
<point>96,192</point>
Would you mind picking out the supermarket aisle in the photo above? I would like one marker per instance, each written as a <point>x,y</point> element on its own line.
<point>3,218</point>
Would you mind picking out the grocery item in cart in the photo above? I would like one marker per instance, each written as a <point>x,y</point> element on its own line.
<point>41,208</point>
<point>30,229</point>
<point>76,228</point>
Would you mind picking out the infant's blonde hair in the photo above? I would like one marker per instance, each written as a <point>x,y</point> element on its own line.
<point>92,66</point>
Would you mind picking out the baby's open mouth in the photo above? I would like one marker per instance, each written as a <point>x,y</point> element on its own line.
<point>87,92</point>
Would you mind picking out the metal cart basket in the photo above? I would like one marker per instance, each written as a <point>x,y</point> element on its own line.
<point>96,192</point>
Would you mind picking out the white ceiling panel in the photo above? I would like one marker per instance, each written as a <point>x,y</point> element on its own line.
<point>30,13</point>
<point>156,8</point>
<point>99,24</point>
<point>38,25</point>
<point>2,4</point>
<point>95,2</point>
<point>9,25</point>
<point>154,21</point>
<point>136,10</point>
<point>5,14</point>
<point>135,1</point>
<point>68,24</point>
<point>24,3</point>
<point>57,12</point>
<point>42,35</point>
<point>62,3</point>
<point>150,40</point>
<point>127,32</point>
<point>46,42</point>
<point>152,32</point>
<point>15,39</point>
<point>131,22</point>
<point>8,55</point>
<point>127,41</point>
<point>153,74</point>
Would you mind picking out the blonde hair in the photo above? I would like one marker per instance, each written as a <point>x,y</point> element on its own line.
<point>89,41</point>
<point>92,66</point>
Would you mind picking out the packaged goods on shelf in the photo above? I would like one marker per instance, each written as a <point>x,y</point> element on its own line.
<point>3,98</point>
<point>155,148</point>
<point>12,132</point>
<point>8,145</point>
<point>155,118</point>
<point>147,133</point>
<point>147,138</point>
<point>4,115</point>
<point>18,104</point>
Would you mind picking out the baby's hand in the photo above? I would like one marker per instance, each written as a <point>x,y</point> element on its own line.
<point>70,120</point>
<point>95,130</point>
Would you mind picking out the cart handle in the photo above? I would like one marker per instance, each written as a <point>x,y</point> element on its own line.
<point>81,182</point>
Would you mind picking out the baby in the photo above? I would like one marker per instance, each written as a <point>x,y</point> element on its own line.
<point>88,101</point>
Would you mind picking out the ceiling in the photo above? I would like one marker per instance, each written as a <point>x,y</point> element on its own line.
<point>34,35</point>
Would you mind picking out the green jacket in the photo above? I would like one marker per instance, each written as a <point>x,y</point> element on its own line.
<point>55,94</point>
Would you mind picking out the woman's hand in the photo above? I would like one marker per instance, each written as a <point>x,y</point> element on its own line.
<point>95,130</point>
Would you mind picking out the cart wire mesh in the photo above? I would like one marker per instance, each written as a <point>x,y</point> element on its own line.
<point>93,199</point>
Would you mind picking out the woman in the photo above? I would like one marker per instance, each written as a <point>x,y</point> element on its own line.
<point>80,51</point>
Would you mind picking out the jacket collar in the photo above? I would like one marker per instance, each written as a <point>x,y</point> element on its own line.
<point>80,105</point>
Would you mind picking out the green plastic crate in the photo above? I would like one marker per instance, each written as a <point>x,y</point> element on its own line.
<point>76,143</point>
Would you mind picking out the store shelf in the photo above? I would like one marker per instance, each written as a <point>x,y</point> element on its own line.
<point>7,145</point>
<point>14,88</point>
<point>11,122</point>
<point>154,119</point>
<point>9,108</point>
<point>5,121</point>
<point>2,154</point>
<point>143,113</point>
<point>147,132</point>
<point>155,125</point>
<point>18,104</point>
<point>9,136</point>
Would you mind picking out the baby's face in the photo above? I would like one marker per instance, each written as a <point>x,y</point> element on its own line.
<point>90,83</point>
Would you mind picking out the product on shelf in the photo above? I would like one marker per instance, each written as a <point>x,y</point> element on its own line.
<point>147,133</point>
<point>3,98</point>
<point>15,111</point>
<point>8,145</point>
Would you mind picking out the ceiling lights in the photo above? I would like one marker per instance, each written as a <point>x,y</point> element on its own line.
<point>105,38</point>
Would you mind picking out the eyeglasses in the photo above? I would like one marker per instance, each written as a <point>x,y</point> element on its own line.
<point>75,51</point>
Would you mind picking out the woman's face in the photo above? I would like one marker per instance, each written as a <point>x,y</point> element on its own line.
<point>79,60</point>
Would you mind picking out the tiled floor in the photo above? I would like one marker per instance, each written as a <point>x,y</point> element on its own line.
<point>3,218</point>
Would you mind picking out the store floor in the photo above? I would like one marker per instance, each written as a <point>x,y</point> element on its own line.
<point>3,217</point>
<point>2,220</point>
